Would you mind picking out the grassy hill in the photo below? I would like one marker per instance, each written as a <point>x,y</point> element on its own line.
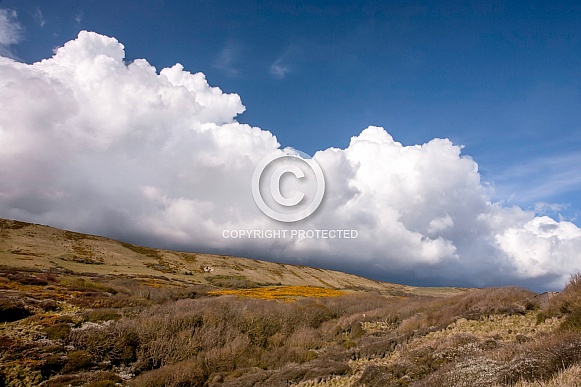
<point>37,247</point>
<point>81,310</point>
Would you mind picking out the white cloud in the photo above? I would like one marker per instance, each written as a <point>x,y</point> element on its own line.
<point>90,143</point>
<point>278,69</point>
<point>10,31</point>
<point>541,245</point>
<point>80,16</point>
<point>39,17</point>
<point>541,178</point>
<point>226,60</point>
<point>281,67</point>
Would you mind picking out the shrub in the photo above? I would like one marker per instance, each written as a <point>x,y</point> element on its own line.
<point>118,343</point>
<point>355,330</point>
<point>102,315</point>
<point>48,305</point>
<point>230,281</point>
<point>84,285</point>
<point>572,321</point>
<point>51,365</point>
<point>104,377</point>
<point>58,331</point>
<point>12,311</point>
<point>375,375</point>
<point>184,374</point>
<point>103,383</point>
<point>568,300</point>
<point>78,360</point>
<point>65,381</point>
<point>30,280</point>
<point>536,361</point>
<point>472,305</point>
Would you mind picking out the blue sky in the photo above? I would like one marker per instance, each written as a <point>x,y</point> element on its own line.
<point>501,81</point>
<point>502,78</point>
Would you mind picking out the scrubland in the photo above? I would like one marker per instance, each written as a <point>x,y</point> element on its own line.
<point>60,327</point>
<point>61,330</point>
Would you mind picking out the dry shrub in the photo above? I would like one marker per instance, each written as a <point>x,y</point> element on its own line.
<point>85,285</point>
<point>542,359</point>
<point>29,280</point>
<point>105,314</point>
<point>569,377</point>
<point>117,343</point>
<point>101,378</point>
<point>566,304</point>
<point>48,305</point>
<point>183,374</point>
<point>420,361</point>
<point>103,383</point>
<point>51,365</point>
<point>537,361</point>
<point>230,281</point>
<point>134,292</point>
<point>572,321</point>
<point>376,347</point>
<point>65,381</point>
<point>568,300</point>
<point>473,305</point>
<point>219,334</point>
<point>304,338</point>
<point>317,370</point>
<point>476,371</point>
<point>377,375</point>
<point>12,310</point>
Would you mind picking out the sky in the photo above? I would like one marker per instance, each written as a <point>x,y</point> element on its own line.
<point>449,133</point>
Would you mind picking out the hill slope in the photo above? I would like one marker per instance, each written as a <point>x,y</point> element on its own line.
<point>31,246</point>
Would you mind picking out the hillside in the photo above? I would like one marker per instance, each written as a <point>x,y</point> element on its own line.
<point>81,310</point>
<point>32,246</point>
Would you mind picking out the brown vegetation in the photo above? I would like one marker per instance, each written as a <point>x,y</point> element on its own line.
<point>190,337</point>
<point>62,327</point>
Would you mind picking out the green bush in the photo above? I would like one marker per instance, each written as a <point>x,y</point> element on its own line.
<point>78,360</point>
<point>59,331</point>
<point>102,315</point>
<point>572,321</point>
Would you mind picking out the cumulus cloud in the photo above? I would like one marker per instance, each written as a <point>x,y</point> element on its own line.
<point>10,31</point>
<point>91,143</point>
